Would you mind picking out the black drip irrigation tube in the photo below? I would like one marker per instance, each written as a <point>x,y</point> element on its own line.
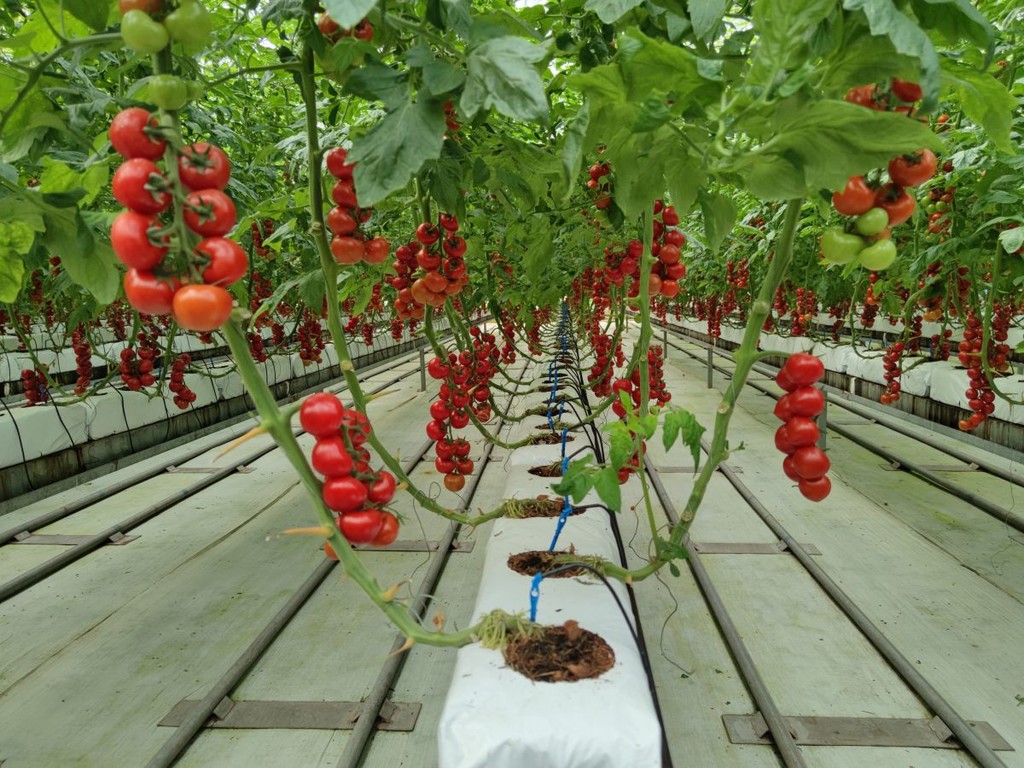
<point>638,635</point>
<point>1001,514</point>
<point>46,569</point>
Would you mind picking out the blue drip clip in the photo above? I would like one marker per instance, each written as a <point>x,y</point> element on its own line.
<point>535,595</point>
<point>566,510</point>
<point>565,436</point>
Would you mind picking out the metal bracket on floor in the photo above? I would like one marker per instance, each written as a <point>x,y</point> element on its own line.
<point>859,732</point>
<point>895,465</point>
<point>749,548</point>
<point>317,715</point>
<point>242,469</point>
<point>414,545</point>
<point>68,539</point>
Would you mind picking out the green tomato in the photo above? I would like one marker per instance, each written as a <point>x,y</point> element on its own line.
<point>142,34</point>
<point>190,24</point>
<point>942,205</point>
<point>839,247</point>
<point>872,222</point>
<point>879,256</point>
<point>168,92</point>
<point>196,89</point>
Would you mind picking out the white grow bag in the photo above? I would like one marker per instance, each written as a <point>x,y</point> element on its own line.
<point>496,718</point>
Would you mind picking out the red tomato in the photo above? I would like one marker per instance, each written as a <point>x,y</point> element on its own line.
<point>329,28</point>
<point>202,307</point>
<point>459,420</point>
<point>789,469</point>
<point>376,250</point>
<point>340,221</point>
<point>445,449</point>
<point>148,294</point>
<point>449,222</point>
<point>129,137</point>
<point>388,530</point>
<point>865,96</point>
<point>204,166</point>
<point>130,239</point>
<point>322,415</point>
<point>444,466</point>
<point>330,457</point>
<point>228,262</point>
<point>675,271</point>
<point>669,254</point>
<point>361,527</point>
<point>782,441</point>
<point>897,202</point>
<point>914,168</point>
<point>347,250</point>
<point>454,482</point>
<point>815,490</point>
<point>343,194</point>
<point>209,212</point>
<point>139,185</point>
<point>344,494</point>
<point>382,490</point>
<point>783,380</point>
<point>437,369</point>
<point>336,158</point>
<point>675,237</point>
<point>855,198</point>
<point>802,431</point>
<point>803,369</point>
<point>783,411</point>
<point>806,401</point>
<point>906,90</point>
<point>363,30</point>
<point>149,6</point>
<point>810,462</point>
<point>669,288</point>
<point>427,234</point>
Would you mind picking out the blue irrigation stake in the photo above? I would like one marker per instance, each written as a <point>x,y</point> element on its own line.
<point>565,439</point>
<point>566,511</point>
<point>535,595</point>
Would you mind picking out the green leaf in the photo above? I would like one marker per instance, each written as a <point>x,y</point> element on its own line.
<point>606,483</point>
<point>577,481</point>
<point>956,19</point>
<point>886,19</point>
<point>673,569</point>
<point>1012,240</point>
<point>396,148</point>
<point>647,425</point>
<point>684,175</point>
<point>985,101</point>
<point>57,178</point>
<point>679,422</point>
<point>820,145</point>
<point>784,29</point>
<point>444,178</point>
<point>655,66</point>
<point>282,10</point>
<point>439,76</point>
<point>93,12</point>
<point>862,58</point>
<point>501,74</point>
<point>622,447</point>
<point>88,263</point>
<point>376,82</point>
<point>540,250</point>
<point>719,214</point>
<point>610,11</point>
<point>705,16</point>
<point>451,15</point>
<point>575,137</point>
<point>348,13</point>
<point>16,239</point>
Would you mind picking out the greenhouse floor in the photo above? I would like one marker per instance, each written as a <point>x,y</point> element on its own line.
<point>98,653</point>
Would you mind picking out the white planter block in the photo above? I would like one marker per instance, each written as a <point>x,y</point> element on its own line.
<point>948,384</point>
<point>918,380</point>
<point>116,410</point>
<point>868,367</point>
<point>495,718</point>
<point>40,430</point>
<point>835,358</point>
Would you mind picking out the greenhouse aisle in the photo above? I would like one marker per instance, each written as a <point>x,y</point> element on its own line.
<point>103,650</point>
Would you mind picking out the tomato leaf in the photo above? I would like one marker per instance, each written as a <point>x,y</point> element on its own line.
<point>985,101</point>
<point>575,143</point>
<point>93,12</point>
<point>684,175</point>
<point>89,263</point>
<point>16,239</point>
<point>705,16</point>
<point>956,20</point>
<point>862,58</point>
<point>610,11</point>
<point>886,19</point>
<point>348,13</point>
<point>282,10</point>
<point>820,145</point>
<point>680,422</point>
<point>396,148</point>
<point>621,442</point>
<point>451,15</point>
<point>501,74</point>
<point>1012,240</point>
<point>719,214</point>
<point>58,177</point>
<point>376,82</point>
<point>439,76</point>
<point>606,483</point>
<point>784,28</point>
<point>577,480</point>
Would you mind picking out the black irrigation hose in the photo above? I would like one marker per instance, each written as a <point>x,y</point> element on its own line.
<point>21,445</point>
<point>784,741</point>
<point>970,740</point>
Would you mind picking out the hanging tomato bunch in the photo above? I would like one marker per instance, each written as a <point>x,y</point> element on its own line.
<point>440,253</point>
<point>805,463</point>
<point>350,245</point>
<point>350,488</point>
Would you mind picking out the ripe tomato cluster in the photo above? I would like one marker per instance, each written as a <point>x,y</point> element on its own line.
<point>350,487</point>
<point>331,30</point>
<point>137,369</point>
<point>466,377</point>
<point>805,463</point>
<point>260,232</point>
<point>83,360</point>
<point>669,269</point>
<point>440,253</point>
<point>600,184</point>
<point>981,398</point>
<point>183,395</point>
<point>891,372</point>
<point>877,205</point>
<point>310,335</point>
<point>939,208</point>
<point>33,384</point>
<point>605,361</point>
<point>349,244</point>
<point>165,275</point>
